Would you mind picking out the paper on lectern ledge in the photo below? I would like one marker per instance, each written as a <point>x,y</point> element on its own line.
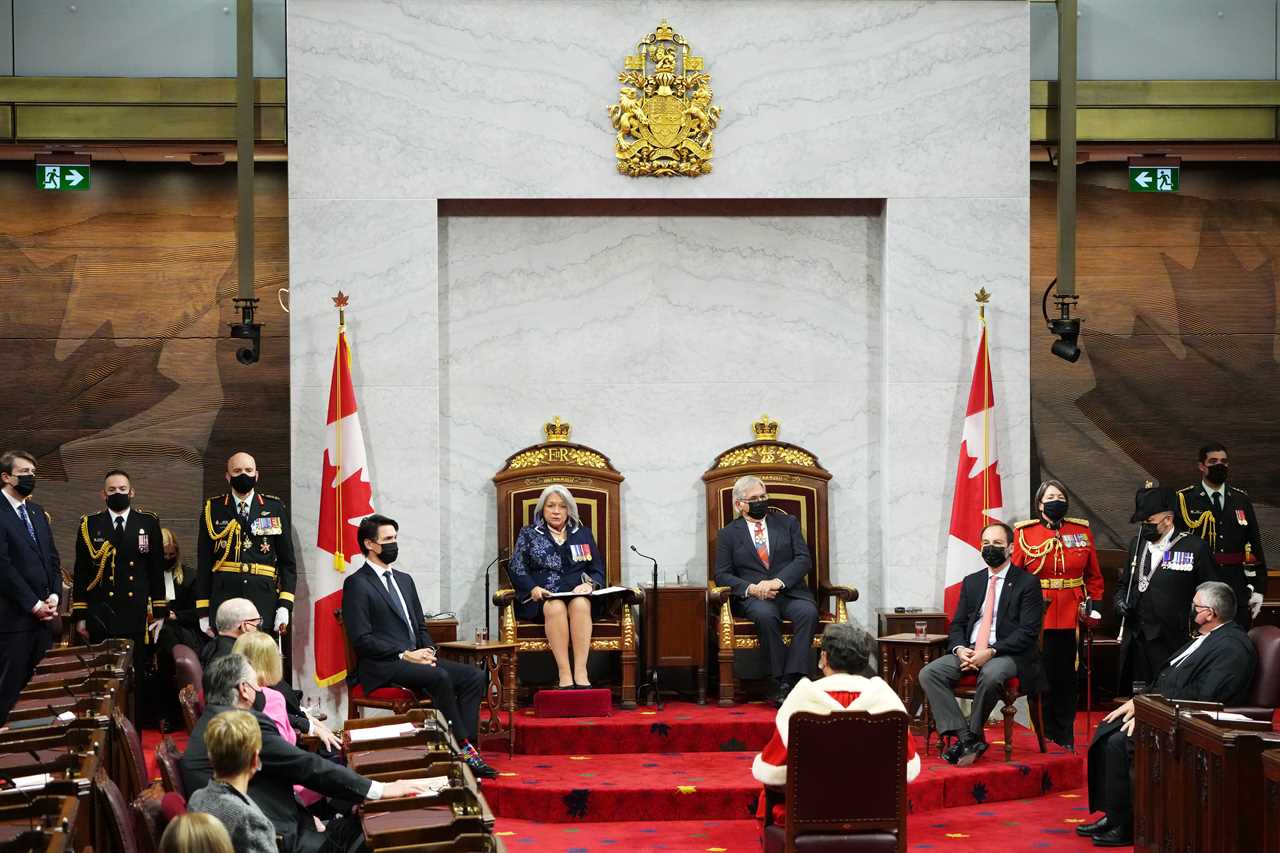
<point>380,732</point>
<point>31,783</point>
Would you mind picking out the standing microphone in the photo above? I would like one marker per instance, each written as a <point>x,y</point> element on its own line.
<point>652,607</point>
<point>500,557</point>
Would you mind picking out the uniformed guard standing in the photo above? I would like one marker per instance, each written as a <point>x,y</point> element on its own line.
<point>118,588</point>
<point>1223,517</point>
<point>245,549</point>
<point>1061,552</point>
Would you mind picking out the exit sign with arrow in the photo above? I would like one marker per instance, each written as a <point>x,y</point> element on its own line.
<point>1153,179</point>
<point>61,177</point>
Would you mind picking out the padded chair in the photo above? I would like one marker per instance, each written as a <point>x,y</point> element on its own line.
<point>397,700</point>
<point>132,767</point>
<point>187,668</point>
<point>1264,695</point>
<point>797,485</point>
<point>595,486</point>
<point>167,756</point>
<point>829,809</point>
<point>148,821</point>
<point>192,706</point>
<point>114,808</point>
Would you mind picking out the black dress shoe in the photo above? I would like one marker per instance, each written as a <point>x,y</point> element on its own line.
<point>952,753</point>
<point>972,752</point>
<point>480,767</point>
<point>1099,825</point>
<point>1116,836</point>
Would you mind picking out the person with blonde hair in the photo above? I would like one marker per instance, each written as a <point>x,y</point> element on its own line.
<point>195,832</point>
<point>261,653</point>
<point>234,742</point>
<point>558,554</point>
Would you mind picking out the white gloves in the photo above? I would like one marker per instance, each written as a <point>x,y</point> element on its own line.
<point>1255,603</point>
<point>204,625</point>
<point>282,618</point>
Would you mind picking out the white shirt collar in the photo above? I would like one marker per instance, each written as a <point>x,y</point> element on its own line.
<point>1211,489</point>
<point>115,515</point>
<point>1163,542</point>
<point>236,500</point>
<point>1000,574</point>
<point>14,503</point>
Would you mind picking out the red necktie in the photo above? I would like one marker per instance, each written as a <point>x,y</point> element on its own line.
<point>988,614</point>
<point>762,547</point>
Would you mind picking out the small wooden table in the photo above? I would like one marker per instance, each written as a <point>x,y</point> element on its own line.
<point>902,656</point>
<point>893,622</point>
<point>498,660</point>
<point>681,630</point>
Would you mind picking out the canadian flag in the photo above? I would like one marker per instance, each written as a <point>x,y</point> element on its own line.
<point>977,500</point>
<point>346,496</point>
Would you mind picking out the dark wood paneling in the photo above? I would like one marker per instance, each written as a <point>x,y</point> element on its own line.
<point>114,306</point>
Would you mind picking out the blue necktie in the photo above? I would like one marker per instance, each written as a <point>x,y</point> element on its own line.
<point>26,519</point>
<point>395,602</point>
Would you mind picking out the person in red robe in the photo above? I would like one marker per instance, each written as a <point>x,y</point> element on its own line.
<point>843,654</point>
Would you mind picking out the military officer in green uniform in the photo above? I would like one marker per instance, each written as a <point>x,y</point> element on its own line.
<point>245,550</point>
<point>118,589</point>
<point>1223,517</point>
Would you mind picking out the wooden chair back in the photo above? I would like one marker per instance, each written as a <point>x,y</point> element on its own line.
<point>167,757</point>
<point>192,707</point>
<point>119,818</point>
<point>129,751</point>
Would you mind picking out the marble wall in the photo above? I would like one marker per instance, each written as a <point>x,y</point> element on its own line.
<point>921,106</point>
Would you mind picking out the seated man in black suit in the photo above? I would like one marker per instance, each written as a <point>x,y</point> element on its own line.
<point>994,633</point>
<point>763,559</point>
<point>230,684</point>
<point>1216,666</point>
<point>383,620</point>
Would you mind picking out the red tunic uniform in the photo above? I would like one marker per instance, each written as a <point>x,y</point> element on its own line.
<point>1066,562</point>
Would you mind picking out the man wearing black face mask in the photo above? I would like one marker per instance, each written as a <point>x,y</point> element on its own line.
<point>1223,517</point>
<point>30,581</point>
<point>993,634</point>
<point>1159,580</point>
<point>245,550</point>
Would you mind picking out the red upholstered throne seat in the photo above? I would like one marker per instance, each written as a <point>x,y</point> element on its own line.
<point>384,694</point>
<point>397,700</point>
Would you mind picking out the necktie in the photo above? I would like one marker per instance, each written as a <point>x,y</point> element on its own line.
<point>762,547</point>
<point>244,511</point>
<point>119,529</point>
<point>988,615</point>
<point>395,602</point>
<point>26,519</point>
<point>1217,501</point>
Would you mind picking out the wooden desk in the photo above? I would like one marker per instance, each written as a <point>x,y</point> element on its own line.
<point>892,622</point>
<point>902,656</point>
<point>498,660</point>
<point>443,630</point>
<point>681,630</point>
<point>1271,801</point>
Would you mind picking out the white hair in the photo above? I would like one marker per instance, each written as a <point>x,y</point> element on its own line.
<point>565,495</point>
<point>233,611</point>
<point>743,484</point>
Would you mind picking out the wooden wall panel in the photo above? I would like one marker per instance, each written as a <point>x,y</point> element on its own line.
<point>114,306</point>
<point>1180,345</point>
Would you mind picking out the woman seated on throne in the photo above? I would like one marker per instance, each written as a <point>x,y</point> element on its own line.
<point>558,554</point>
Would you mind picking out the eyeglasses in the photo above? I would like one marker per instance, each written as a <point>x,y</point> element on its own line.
<point>255,622</point>
<point>1200,606</point>
<point>753,498</point>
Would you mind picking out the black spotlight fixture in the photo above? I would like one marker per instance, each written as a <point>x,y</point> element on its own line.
<point>247,330</point>
<point>1067,346</point>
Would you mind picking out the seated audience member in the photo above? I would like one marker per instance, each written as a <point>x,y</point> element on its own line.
<point>181,624</point>
<point>230,684</point>
<point>843,687</point>
<point>234,740</point>
<point>994,633</point>
<point>1216,666</point>
<point>384,624</point>
<point>763,559</point>
<point>557,553</point>
<point>235,616</point>
<point>195,832</point>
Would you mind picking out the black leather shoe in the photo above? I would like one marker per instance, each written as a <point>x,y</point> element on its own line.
<point>1116,836</point>
<point>952,753</point>
<point>972,752</point>
<point>1099,825</point>
<point>480,767</point>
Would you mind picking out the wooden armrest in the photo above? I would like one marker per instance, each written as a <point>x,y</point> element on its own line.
<point>844,593</point>
<point>633,595</point>
<point>310,743</point>
<point>718,595</point>
<point>503,597</point>
<point>1253,712</point>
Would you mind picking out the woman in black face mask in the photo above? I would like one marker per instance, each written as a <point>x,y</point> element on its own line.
<point>1061,552</point>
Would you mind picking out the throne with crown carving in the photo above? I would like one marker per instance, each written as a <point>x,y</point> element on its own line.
<point>797,485</point>
<point>595,485</point>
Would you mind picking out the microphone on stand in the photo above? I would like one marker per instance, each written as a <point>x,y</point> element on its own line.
<point>500,558</point>
<point>652,607</point>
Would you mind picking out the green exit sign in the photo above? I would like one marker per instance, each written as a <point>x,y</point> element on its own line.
<point>49,177</point>
<point>1153,179</point>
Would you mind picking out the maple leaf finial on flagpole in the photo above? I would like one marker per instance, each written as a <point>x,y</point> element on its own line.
<point>982,298</point>
<point>340,302</point>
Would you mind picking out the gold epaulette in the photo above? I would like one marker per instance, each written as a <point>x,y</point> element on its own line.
<point>1232,488</point>
<point>1083,522</point>
<point>1184,488</point>
<point>1026,523</point>
<point>140,511</point>
<point>272,497</point>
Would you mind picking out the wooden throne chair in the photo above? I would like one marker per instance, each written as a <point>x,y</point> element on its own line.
<point>595,485</point>
<point>797,484</point>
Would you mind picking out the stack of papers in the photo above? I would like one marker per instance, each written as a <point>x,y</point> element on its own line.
<point>380,732</point>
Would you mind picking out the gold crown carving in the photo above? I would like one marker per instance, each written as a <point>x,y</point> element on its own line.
<point>765,429</point>
<point>556,430</point>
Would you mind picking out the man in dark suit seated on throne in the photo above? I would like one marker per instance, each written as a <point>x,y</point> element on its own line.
<point>763,559</point>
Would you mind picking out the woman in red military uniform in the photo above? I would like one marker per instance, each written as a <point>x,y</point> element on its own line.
<point>1061,552</point>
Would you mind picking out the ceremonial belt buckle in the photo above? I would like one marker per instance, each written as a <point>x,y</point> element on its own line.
<point>244,568</point>
<point>1061,583</point>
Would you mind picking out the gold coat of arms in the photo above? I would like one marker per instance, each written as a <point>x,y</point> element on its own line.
<point>664,115</point>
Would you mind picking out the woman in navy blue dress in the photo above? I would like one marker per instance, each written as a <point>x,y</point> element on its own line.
<point>557,553</point>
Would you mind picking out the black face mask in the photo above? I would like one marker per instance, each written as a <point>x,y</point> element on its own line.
<point>757,509</point>
<point>171,563</point>
<point>259,701</point>
<point>1055,510</point>
<point>993,555</point>
<point>243,483</point>
<point>118,501</point>
<point>390,550</point>
<point>26,484</point>
<point>1149,531</point>
<point>1217,474</point>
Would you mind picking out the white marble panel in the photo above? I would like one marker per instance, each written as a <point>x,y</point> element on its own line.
<point>506,98</point>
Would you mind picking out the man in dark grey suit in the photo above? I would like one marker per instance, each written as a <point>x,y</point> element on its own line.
<point>763,559</point>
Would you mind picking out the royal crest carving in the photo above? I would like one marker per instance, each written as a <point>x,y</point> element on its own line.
<point>664,115</point>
